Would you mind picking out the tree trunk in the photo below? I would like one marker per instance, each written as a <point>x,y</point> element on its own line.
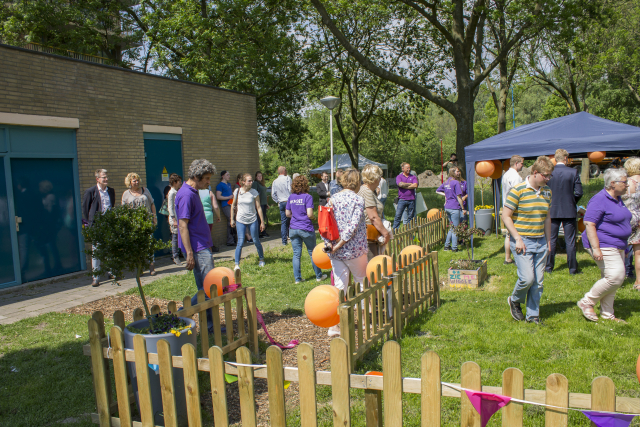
<point>464,124</point>
<point>502,98</point>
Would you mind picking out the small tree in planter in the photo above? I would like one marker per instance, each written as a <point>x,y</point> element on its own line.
<point>123,240</point>
<point>467,273</point>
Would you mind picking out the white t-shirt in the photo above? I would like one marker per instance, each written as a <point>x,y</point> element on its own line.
<point>510,179</point>
<point>247,213</point>
<point>384,188</point>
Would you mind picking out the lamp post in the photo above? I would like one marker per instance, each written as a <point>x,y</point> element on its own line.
<point>331,102</point>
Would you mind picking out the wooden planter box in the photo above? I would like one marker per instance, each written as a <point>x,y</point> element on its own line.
<point>469,279</point>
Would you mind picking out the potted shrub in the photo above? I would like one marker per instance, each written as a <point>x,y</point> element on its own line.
<point>467,273</point>
<point>123,241</point>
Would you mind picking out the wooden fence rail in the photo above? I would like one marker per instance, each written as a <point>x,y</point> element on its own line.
<point>370,313</point>
<point>389,412</point>
<point>429,232</point>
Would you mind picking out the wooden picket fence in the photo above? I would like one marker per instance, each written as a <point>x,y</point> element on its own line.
<point>429,232</point>
<point>378,412</point>
<point>379,308</point>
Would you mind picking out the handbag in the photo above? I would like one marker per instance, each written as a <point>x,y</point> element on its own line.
<point>164,210</point>
<point>327,224</point>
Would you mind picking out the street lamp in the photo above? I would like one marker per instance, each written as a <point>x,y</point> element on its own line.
<point>331,102</point>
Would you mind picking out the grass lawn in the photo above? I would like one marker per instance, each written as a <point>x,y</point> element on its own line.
<point>45,379</point>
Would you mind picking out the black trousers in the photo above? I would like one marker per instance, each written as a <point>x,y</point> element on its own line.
<point>570,227</point>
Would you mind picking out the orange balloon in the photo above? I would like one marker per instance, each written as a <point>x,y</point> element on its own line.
<point>411,250</point>
<point>214,277</point>
<point>638,368</point>
<point>433,213</point>
<point>581,226</point>
<point>372,267</point>
<point>497,170</point>
<point>485,168</point>
<point>320,258</point>
<point>374,373</point>
<point>372,233</point>
<point>321,306</point>
<point>596,156</point>
<point>506,165</point>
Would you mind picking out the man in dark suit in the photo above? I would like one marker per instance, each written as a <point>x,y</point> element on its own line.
<point>98,198</point>
<point>323,189</point>
<point>566,190</point>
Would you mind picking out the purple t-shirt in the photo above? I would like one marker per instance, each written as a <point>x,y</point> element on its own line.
<point>463,187</point>
<point>298,204</point>
<point>612,220</point>
<point>403,193</point>
<point>451,188</point>
<point>189,206</point>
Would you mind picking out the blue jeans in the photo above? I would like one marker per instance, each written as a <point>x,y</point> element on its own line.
<point>530,267</point>
<point>455,217</point>
<point>175,248</point>
<point>410,206</point>
<point>204,264</point>
<point>284,222</point>
<point>309,239</point>
<point>254,229</point>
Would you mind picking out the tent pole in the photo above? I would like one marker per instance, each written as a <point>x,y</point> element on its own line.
<point>331,134</point>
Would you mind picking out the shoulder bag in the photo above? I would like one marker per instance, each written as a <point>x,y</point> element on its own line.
<point>327,224</point>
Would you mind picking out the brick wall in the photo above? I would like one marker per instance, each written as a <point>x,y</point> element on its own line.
<point>113,104</point>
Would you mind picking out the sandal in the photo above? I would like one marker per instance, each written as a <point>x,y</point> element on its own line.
<point>588,312</point>
<point>617,320</point>
<point>636,286</point>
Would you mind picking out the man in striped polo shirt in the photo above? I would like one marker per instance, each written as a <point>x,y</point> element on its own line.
<point>525,215</point>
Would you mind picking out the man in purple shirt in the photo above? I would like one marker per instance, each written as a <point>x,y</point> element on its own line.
<point>194,236</point>
<point>407,185</point>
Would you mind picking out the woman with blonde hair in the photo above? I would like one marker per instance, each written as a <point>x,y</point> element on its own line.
<point>373,209</point>
<point>453,206</point>
<point>137,196</point>
<point>348,254</point>
<point>632,201</point>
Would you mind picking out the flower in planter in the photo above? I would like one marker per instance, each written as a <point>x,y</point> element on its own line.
<point>463,232</point>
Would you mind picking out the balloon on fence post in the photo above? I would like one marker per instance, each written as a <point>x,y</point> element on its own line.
<point>320,258</point>
<point>321,306</point>
<point>214,277</point>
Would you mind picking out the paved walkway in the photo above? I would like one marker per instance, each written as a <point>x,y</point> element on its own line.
<point>57,294</point>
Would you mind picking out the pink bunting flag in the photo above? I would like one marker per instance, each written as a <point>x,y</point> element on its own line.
<point>606,419</point>
<point>486,404</point>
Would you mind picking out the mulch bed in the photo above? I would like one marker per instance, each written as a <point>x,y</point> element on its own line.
<point>282,327</point>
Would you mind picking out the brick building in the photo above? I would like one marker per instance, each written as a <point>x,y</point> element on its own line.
<point>61,119</point>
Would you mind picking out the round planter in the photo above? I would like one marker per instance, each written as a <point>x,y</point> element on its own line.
<point>484,220</point>
<point>176,344</point>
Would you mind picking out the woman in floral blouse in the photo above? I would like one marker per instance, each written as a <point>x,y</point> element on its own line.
<point>632,201</point>
<point>349,253</point>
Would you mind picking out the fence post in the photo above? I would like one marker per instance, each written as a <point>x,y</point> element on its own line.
<point>397,306</point>
<point>99,318</point>
<point>191,387</point>
<point>138,314</point>
<point>392,383</point>
<point>512,386</point>
<point>166,383</point>
<point>99,376</point>
<point>373,407</point>
<point>340,378</point>
<point>142,374</point>
<point>218,389</point>
<point>252,318</point>
<point>348,333</point>
<point>245,387</point>
<point>603,395</point>
<point>431,389</point>
<point>275,384</point>
<point>204,327</point>
<point>557,394</point>
<point>307,379</point>
<point>120,375</point>
<point>470,379</point>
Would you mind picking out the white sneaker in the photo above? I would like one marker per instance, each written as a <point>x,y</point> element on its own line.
<point>261,263</point>
<point>237,267</point>
<point>324,276</point>
<point>299,281</point>
<point>334,331</point>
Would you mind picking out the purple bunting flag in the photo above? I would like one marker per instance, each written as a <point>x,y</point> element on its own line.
<point>486,404</point>
<point>607,419</point>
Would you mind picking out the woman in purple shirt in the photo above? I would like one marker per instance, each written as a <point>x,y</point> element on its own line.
<point>300,209</point>
<point>453,206</point>
<point>608,226</point>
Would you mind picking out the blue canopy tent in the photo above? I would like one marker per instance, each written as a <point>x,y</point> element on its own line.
<point>343,161</point>
<point>577,133</point>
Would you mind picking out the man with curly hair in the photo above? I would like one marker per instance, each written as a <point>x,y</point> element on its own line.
<point>194,236</point>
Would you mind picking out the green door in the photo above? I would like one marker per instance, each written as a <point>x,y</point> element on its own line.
<point>7,274</point>
<point>45,209</point>
<point>163,156</point>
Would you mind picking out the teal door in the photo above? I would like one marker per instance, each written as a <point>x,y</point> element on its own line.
<point>7,274</point>
<point>45,210</point>
<point>163,156</point>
